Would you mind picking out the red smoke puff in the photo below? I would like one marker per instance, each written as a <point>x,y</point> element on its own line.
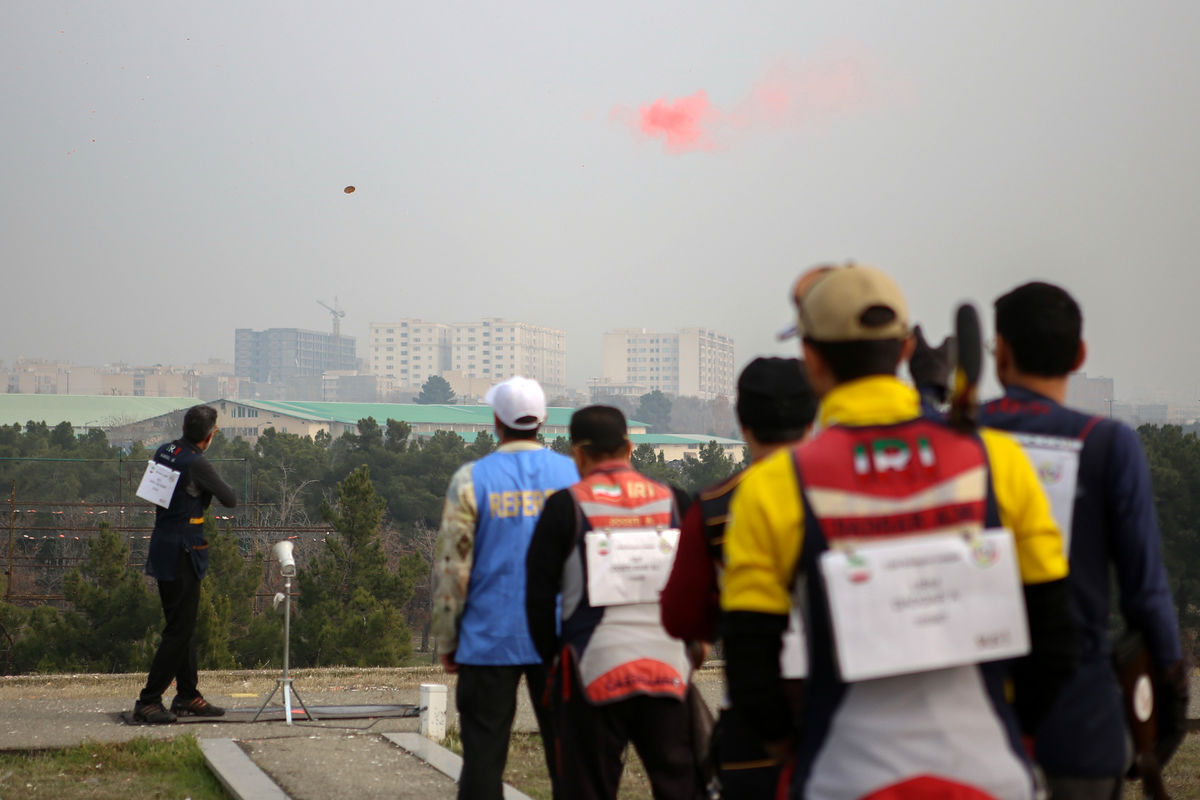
<point>808,94</point>
<point>680,122</point>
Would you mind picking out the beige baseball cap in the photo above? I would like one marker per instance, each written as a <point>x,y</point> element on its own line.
<point>847,303</point>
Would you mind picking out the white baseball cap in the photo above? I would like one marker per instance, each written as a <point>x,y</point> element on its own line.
<point>516,401</point>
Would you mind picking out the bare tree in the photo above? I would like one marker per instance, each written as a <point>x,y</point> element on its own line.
<point>423,540</point>
<point>291,511</point>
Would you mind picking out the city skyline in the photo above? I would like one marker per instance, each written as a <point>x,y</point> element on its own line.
<point>175,172</point>
<point>1121,397</point>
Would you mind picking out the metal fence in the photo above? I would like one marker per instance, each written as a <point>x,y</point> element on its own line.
<point>49,537</point>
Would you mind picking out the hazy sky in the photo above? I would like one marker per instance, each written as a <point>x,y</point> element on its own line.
<point>173,171</point>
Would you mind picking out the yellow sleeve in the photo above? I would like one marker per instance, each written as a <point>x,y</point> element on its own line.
<point>1025,511</point>
<point>762,538</point>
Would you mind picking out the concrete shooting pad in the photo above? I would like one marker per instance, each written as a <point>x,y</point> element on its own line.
<point>364,766</point>
<point>244,715</point>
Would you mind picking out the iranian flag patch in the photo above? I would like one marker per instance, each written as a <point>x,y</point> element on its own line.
<point>610,490</point>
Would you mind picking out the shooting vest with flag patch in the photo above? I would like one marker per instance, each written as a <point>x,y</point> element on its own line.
<point>913,478</point>
<point>181,525</point>
<point>620,648</point>
<point>949,730</point>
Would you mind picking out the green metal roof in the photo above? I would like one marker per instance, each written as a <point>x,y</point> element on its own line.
<point>659,439</point>
<point>102,411</point>
<point>412,413</point>
<point>679,438</point>
<point>86,411</point>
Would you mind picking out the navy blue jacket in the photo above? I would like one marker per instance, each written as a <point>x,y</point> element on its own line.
<point>1114,526</point>
<point>180,527</point>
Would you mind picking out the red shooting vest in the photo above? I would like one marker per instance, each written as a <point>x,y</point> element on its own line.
<point>620,650</point>
<point>894,480</point>
<point>867,483</point>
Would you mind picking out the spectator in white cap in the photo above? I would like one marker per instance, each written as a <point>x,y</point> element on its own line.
<point>479,623</point>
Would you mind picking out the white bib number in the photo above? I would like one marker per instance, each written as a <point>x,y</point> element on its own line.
<point>628,565</point>
<point>925,603</point>
<point>1056,461</point>
<point>158,484</point>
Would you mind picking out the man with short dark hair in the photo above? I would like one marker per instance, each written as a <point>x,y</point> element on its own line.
<point>606,545</point>
<point>178,560</point>
<point>824,520</point>
<point>775,408</point>
<point>1099,483</point>
<point>479,582</point>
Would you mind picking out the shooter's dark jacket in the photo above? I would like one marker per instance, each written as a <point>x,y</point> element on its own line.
<point>181,525</point>
<point>912,734</point>
<point>1113,524</point>
<point>691,599</point>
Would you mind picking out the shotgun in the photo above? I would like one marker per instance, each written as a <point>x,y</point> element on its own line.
<point>964,399</point>
<point>1131,660</point>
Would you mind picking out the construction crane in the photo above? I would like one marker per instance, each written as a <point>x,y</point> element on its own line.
<point>337,314</point>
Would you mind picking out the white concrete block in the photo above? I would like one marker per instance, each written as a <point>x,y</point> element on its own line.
<point>433,711</point>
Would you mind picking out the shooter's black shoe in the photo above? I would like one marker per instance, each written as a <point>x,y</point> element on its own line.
<point>152,714</point>
<point>196,707</point>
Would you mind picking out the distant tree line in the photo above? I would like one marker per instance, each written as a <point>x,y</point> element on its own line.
<point>663,413</point>
<point>350,606</point>
<point>363,591</point>
<point>364,588</point>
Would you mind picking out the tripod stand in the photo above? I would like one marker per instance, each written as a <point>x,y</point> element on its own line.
<point>284,682</point>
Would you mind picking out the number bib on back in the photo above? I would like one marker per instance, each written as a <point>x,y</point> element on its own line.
<point>925,603</point>
<point>1056,461</point>
<point>628,565</point>
<point>913,580</point>
<point>158,484</point>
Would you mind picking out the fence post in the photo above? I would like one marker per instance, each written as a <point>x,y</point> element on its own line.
<point>12,517</point>
<point>433,711</point>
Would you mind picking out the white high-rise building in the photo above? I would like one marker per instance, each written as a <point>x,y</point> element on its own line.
<point>410,350</point>
<point>689,362</point>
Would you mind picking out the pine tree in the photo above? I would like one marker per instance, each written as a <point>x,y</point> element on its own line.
<point>654,409</point>
<point>653,464</point>
<point>484,443</point>
<point>113,620</point>
<point>436,390</point>
<point>712,466</point>
<point>226,603</point>
<point>350,601</point>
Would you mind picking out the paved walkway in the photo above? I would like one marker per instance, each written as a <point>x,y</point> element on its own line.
<point>360,758</point>
<point>304,761</point>
<point>362,766</point>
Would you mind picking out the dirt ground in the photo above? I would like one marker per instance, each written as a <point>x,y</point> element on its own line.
<point>310,759</point>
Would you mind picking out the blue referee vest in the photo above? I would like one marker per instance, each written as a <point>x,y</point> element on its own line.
<point>510,489</point>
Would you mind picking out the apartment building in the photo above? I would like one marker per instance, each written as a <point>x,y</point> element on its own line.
<point>1090,394</point>
<point>113,380</point>
<point>277,355</point>
<point>409,351</point>
<point>688,362</point>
